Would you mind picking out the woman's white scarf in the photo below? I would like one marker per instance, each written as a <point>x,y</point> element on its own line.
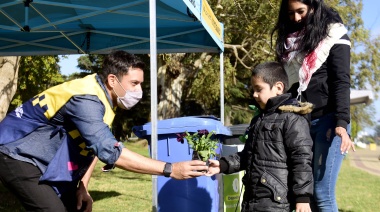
<point>300,68</point>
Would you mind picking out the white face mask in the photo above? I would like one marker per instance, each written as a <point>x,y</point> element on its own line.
<point>130,99</point>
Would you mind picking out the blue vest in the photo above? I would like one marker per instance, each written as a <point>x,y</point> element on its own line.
<point>72,159</point>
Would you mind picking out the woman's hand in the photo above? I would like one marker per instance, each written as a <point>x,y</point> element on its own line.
<point>346,144</point>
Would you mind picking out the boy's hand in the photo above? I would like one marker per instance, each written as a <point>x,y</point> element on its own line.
<point>303,207</point>
<point>213,168</point>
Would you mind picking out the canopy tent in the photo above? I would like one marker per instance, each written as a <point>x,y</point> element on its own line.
<point>61,27</point>
<point>54,27</point>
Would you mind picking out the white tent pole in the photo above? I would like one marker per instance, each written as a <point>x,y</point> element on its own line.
<point>153,93</point>
<point>221,62</point>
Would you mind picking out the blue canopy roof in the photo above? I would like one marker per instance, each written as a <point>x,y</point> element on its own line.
<point>56,27</point>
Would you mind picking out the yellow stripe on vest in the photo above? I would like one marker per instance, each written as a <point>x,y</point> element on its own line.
<point>54,98</point>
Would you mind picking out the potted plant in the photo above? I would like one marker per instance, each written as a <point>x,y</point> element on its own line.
<point>203,143</point>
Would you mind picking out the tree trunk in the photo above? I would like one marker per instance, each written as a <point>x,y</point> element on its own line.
<point>173,74</point>
<point>8,82</point>
<point>170,79</point>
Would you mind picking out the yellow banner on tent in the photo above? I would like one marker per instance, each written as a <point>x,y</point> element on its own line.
<point>212,22</point>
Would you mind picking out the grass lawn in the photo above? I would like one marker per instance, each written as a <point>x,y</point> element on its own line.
<point>357,190</point>
<point>120,190</point>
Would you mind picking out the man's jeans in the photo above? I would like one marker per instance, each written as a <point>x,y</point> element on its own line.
<point>22,179</point>
<point>326,162</point>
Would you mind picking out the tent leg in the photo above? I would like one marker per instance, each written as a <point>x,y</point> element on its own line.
<point>153,96</point>
<point>221,87</point>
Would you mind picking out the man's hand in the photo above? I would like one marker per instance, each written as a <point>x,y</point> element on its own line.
<point>214,168</point>
<point>83,197</point>
<point>188,169</point>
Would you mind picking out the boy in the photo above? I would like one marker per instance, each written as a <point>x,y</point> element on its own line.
<point>278,152</point>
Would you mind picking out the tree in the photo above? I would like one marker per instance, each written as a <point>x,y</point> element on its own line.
<point>36,74</point>
<point>188,84</point>
<point>9,67</point>
<point>248,26</point>
<point>377,134</point>
<point>196,76</point>
<point>365,66</point>
<point>249,23</point>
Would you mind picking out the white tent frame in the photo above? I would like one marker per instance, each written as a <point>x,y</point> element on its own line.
<point>153,98</point>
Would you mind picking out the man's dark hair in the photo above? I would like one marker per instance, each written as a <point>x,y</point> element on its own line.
<point>118,63</point>
<point>271,72</point>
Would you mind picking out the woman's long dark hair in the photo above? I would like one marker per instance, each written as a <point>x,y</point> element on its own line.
<point>319,16</point>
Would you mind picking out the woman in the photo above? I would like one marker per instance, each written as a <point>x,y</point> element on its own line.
<point>313,46</point>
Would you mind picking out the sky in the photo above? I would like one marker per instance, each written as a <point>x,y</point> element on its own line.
<point>370,16</point>
<point>68,65</point>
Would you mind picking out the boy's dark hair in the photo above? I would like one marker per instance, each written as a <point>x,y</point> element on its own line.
<point>118,63</point>
<point>271,72</point>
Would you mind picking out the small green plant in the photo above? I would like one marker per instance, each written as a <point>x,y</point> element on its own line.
<point>203,142</point>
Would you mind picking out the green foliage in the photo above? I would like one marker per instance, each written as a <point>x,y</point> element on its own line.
<point>360,118</point>
<point>248,26</point>
<point>91,63</point>
<point>205,87</point>
<point>365,66</point>
<point>203,142</point>
<point>36,74</point>
<point>370,139</point>
<point>377,131</point>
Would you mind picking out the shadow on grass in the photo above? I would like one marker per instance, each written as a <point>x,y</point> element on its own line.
<point>121,175</point>
<point>99,195</point>
<point>143,179</point>
<point>341,210</point>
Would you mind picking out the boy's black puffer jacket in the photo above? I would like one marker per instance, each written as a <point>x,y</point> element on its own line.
<point>276,157</point>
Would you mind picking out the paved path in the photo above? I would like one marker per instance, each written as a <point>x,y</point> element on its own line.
<point>367,160</point>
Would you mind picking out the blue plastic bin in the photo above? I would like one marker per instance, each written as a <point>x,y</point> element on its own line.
<point>198,194</point>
